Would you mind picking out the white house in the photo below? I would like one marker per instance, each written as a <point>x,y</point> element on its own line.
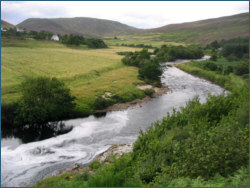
<point>55,37</point>
<point>3,29</point>
<point>19,29</point>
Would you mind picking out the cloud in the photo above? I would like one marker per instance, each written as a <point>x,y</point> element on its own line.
<point>139,14</point>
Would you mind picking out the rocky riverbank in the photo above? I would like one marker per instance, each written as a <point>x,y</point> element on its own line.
<point>114,151</point>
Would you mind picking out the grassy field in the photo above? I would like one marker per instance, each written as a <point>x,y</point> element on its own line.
<point>143,38</point>
<point>88,73</point>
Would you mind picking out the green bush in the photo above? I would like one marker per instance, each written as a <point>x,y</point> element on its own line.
<point>151,72</point>
<point>149,92</point>
<point>102,103</point>
<point>44,99</point>
<point>95,165</point>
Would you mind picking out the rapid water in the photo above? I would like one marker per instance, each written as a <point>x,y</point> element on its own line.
<point>25,164</point>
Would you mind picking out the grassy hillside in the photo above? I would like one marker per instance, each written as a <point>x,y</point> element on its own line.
<point>5,24</point>
<point>88,73</point>
<point>205,31</point>
<point>199,32</point>
<point>81,26</point>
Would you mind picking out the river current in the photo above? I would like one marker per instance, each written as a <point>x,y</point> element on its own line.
<point>25,164</point>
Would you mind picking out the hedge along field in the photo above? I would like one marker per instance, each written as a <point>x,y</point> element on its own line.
<point>88,73</point>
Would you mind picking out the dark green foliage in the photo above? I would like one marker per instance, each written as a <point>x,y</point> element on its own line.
<point>171,53</point>
<point>136,58</point>
<point>149,92</point>
<point>213,57</point>
<point>80,40</point>
<point>95,165</point>
<point>215,44</point>
<point>13,33</point>
<point>229,69</point>
<point>237,47</point>
<point>150,71</point>
<point>242,68</point>
<point>44,99</point>
<point>210,66</point>
<point>102,103</point>
<point>42,35</point>
<point>95,43</point>
<point>125,53</point>
<point>139,46</point>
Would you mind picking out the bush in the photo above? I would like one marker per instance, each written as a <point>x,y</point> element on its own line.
<point>78,40</point>
<point>149,92</point>
<point>213,57</point>
<point>95,165</point>
<point>242,68</point>
<point>229,69</point>
<point>102,103</point>
<point>151,72</point>
<point>210,66</point>
<point>44,99</point>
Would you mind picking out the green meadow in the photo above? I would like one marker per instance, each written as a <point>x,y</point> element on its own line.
<point>153,39</point>
<point>88,73</point>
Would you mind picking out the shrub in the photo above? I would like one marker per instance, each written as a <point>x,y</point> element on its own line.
<point>210,66</point>
<point>149,92</point>
<point>229,69</point>
<point>150,71</point>
<point>95,165</point>
<point>44,99</point>
<point>102,103</point>
<point>242,68</point>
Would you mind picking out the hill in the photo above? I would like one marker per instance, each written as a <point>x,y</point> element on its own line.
<point>5,24</point>
<point>206,30</point>
<point>203,31</point>
<point>80,25</point>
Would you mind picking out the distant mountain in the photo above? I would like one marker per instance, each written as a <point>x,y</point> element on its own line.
<point>81,26</point>
<point>5,24</point>
<point>203,31</point>
<point>206,30</point>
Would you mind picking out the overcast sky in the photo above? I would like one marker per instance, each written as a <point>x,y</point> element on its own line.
<point>138,14</point>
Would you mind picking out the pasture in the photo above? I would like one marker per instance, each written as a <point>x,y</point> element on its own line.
<point>87,72</point>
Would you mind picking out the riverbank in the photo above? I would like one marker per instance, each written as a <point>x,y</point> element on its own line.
<point>106,157</point>
<point>123,106</point>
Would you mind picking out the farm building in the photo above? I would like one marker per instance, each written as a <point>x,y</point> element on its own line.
<point>55,37</point>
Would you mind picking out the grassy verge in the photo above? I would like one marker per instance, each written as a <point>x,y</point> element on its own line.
<point>88,73</point>
<point>229,82</point>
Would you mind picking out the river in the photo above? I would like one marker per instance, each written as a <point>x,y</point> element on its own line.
<point>25,164</point>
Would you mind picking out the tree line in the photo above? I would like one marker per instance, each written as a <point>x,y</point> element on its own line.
<point>232,49</point>
<point>80,40</point>
<point>64,39</point>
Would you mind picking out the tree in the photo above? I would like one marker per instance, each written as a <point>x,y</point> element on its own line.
<point>213,57</point>
<point>150,71</point>
<point>43,99</point>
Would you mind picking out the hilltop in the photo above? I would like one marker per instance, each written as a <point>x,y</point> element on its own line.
<point>206,30</point>
<point>80,26</point>
<point>5,24</point>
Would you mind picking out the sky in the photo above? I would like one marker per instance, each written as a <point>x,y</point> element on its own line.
<point>147,14</point>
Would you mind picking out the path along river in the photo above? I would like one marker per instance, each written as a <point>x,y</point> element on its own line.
<point>25,164</point>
